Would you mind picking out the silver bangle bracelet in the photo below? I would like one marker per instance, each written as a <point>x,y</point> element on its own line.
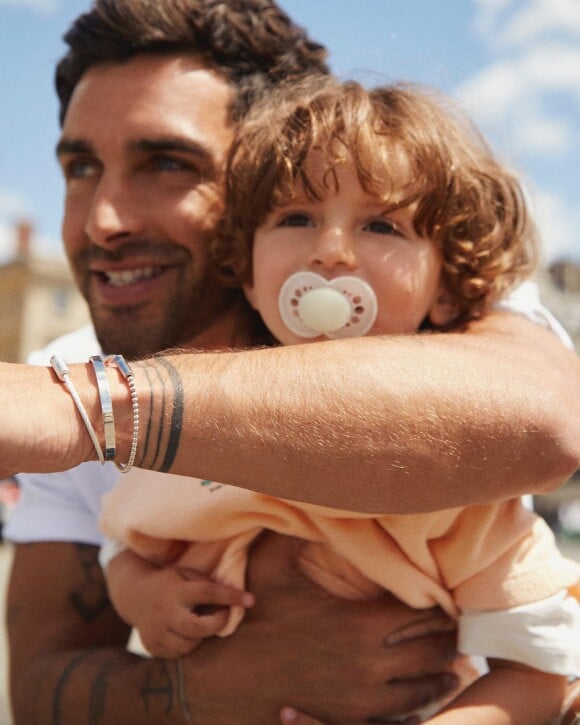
<point>63,374</point>
<point>127,374</point>
<point>106,405</point>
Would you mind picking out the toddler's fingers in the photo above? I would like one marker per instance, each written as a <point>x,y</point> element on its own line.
<point>194,625</point>
<point>221,595</point>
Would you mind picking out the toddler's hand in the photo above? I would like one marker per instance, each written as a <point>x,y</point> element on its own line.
<point>185,606</point>
<point>171,607</point>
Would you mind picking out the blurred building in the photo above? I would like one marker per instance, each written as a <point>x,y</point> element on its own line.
<point>560,290</point>
<point>38,299</point>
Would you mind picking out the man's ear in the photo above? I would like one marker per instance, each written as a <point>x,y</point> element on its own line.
<point>443,310</point>
<point>250,293</point>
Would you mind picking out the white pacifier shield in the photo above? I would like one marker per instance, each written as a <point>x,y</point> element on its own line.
<point>311,306</point>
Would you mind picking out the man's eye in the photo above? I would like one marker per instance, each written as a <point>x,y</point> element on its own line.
<point>79,169</point>
<point>295,220</point>
<point>382,226</point>
<point>169,163</point>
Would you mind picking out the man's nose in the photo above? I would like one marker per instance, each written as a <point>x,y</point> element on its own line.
<point>333,250</point>
<point>115,213</point>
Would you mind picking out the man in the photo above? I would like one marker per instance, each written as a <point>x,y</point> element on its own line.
<point>144,135</point>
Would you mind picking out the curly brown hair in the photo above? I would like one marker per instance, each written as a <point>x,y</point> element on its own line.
<point>253,43</point>
<point>467,203</point>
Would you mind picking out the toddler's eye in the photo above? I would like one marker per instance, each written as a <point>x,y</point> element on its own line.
<point>382,226</point>
<point>295,219</point>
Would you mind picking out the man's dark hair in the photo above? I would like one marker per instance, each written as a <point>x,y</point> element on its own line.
<point>253,43</point>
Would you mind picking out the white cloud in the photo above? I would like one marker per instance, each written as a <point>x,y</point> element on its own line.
<point>513,23</point>
<point>539,17</point>
<point>528,99</point>
<point>490,94</point>
<point>554,66</point>
<point>545,136</point>
<point>44,6</point>
<point>487,14</point>
<point>496,90</point>
<point>514,95</point>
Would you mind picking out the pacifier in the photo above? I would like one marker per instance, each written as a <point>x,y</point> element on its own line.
<point>311,306</point>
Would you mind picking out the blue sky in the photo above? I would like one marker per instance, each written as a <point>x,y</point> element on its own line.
<point>514,65</point>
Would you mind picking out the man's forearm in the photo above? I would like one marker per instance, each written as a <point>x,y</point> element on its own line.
<point>68,658</point>
<point>98,686</point>
<point>382,425</point>
<point>397,425</point>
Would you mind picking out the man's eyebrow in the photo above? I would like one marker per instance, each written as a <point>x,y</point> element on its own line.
<point>171,143</point>
<point>72,146</point>
<point>144,145</point>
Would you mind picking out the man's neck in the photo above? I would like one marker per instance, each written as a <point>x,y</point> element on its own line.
<point>234,328</point>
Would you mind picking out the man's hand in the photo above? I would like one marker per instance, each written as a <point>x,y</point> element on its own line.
<point>337,660</point>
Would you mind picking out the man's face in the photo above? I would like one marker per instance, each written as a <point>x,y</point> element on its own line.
<point>142,153</point>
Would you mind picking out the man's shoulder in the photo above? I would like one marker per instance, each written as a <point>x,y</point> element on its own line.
<point>525,300</point>
<point>75,346</point>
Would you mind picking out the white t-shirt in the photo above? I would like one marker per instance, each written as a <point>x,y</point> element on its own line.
<point>67,506</point>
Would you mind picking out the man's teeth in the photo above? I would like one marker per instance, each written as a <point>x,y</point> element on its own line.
<point>128,276</point>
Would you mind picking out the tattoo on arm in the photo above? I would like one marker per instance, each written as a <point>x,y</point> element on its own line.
<point>58,717</point>
<point>98,693</point>
<point>158,693</point>
<point>150,439</point>
<point>92,599</point>
<point>158,684</point>
<point>176,416</point>
<point>167,405</point>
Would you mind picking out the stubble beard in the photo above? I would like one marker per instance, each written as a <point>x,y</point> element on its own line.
<point>143,330</point>
<point>195,302</point>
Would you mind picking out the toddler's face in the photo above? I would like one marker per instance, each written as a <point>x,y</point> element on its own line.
<point>349,233</point>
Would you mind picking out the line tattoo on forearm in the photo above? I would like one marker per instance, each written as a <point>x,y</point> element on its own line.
<point>98,694</point>
<point>176,415</point>
<point>149,436</point>
<point>58,717</point>
<point>163,428</point>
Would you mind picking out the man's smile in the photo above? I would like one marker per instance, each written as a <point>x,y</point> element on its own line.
<point>131,285</point>
<point>129,276</point>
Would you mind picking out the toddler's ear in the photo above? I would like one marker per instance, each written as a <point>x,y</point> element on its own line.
<point>443,310</point>
<point>250,293</point>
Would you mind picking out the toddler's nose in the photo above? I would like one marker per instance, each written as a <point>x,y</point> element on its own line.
<point>333,251</point>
